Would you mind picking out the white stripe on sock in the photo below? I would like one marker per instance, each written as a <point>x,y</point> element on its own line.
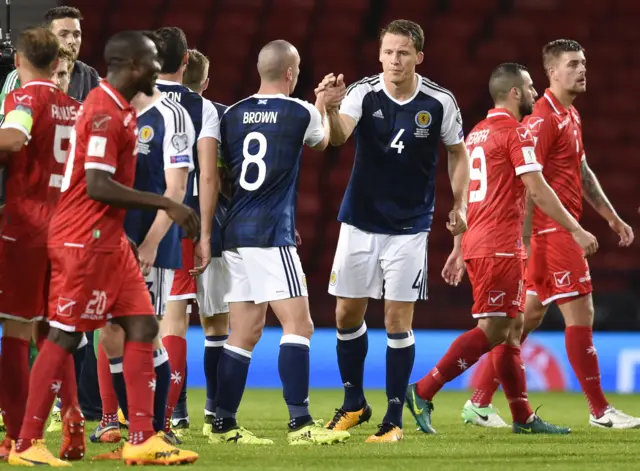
<point>295,339</point>
<point>402,343</point>
<point>354,335</point>
<point>115,367</point>
<point>161,358</point>
<point>214,343</point>
<point>238,350</point>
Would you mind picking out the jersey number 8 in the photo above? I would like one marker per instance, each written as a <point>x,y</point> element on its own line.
<point>257,159</point>
<point>478,174</point>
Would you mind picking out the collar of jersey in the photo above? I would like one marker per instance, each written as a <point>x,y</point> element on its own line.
<point>496,112</point>
<point>152,105</point>
<point>408,100</point>
<point>553,101</point>
<point>167,82</point>
<point>277,95</point>
<point>114,94</point>
<point>41,82</point>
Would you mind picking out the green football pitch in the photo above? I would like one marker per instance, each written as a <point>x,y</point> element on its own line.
<point>455,447</point>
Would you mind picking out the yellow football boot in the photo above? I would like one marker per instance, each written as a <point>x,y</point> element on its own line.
<point>36,455</point>
<point>237,436</point>
<point>156,451</point>
<point>343,420</point>
<point>386,433</point>
<point>316,435</point>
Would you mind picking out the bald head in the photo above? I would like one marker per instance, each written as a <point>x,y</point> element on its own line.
<point>128,46</point>
<point>504,78</point>
<point>275,59</point>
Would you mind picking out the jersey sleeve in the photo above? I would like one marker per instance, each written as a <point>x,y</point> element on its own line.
<point>352,103</point>
<point>522,150</point>
<point>315,130</point>
<point>179,138</point>
<point>20,111</point>
<point>210,121</point>
<point>544,132</point>
<point>451,131</point>
<point>102,134</point>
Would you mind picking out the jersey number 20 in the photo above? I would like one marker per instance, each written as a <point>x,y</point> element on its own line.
<point>257,159</point>
<point>478,174</point>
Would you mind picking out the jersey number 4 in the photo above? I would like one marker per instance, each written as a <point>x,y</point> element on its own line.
<point>257,159</point>
<point>478,174</point>
<point>396,143</point>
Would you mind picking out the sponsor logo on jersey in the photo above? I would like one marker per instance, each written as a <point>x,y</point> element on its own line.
<point>180,142</point>
<point>496,298</point>
<point>179,159</point>
<point>562,278</point>
<point>423,119</point>
<point>146,134</point>
<point>100,122</point>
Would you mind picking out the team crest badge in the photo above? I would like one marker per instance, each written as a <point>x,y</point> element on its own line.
<point>333,278</point>
<point>423,119</point>
<point>146,134</point>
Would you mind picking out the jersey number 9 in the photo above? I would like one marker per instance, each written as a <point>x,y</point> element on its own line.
<point>257,159</point>
<point>478,174</point>
<point>62,133</point>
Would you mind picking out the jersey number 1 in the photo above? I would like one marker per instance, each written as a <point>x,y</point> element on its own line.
<point>257,159</point>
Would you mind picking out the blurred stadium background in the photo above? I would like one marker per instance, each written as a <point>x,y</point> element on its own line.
<point>465,39</point>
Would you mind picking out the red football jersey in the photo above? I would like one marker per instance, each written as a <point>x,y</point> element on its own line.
<point>501,150</point>
<point>34,174</point>
<point>558,135</point>
<point>104,138</point>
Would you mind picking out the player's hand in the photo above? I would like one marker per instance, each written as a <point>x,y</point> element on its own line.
<point>185,217</point>
<point>202,257</point>
<point>328,81</point>
<point>457,221</point>
<point>454,268</point>
<point>298,239</point>
<point>586,241</point>
<point>623,230</point>
<point>147,253</point>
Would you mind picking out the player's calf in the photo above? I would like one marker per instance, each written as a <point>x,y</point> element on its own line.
<point>216,331</point>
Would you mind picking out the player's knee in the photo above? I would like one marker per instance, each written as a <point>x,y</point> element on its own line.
<point>515,331</point>
<point>174,325</point>
<point>350,312</point>
<point>69,341</point>
<point>578,311</point>
<point>141,329</point>
<point>215,325</point>
<point>398,317</point>
<point>112,341</point>
<point>496,329</point>
<point>17,330</point>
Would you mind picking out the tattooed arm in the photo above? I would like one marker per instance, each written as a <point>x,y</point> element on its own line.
<point>595,196</point>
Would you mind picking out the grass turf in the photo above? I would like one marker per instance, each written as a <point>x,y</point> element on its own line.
<point>455,447</point>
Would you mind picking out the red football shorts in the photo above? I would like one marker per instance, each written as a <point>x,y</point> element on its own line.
<point>497,286</point>
<point>184,285</point>
<point>89,288</point>
<point>558,269</point>
<point>24,281</point>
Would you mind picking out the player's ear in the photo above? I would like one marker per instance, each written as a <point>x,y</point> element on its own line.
<point>420,58</point>
<point>290,74</point>
<point>185,59</point>
<point>205,85</point>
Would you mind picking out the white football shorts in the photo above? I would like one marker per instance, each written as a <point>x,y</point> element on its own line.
<point>262,274</point>
<point>368,265</point>
<point>159,282</point>
<point>212,286</point>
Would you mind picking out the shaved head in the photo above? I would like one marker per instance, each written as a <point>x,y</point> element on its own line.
<point>126,46</point>
<point>275,59</point>
<point>504,78</point>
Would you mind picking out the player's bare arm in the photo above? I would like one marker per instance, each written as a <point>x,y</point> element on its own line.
<point>459,175</point>
<point>11,141</point>
<point>527,227</point>
<point>594,194</point>
<point>545,198</point>
<point>208,189</point>
<point>101,187</point>
<point>176,180</point>
<point>454,268</point>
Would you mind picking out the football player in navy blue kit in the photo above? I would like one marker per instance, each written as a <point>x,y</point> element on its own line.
<point>398,119</point>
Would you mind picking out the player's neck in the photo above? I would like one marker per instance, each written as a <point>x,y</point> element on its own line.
<point>401,91</point>
<point>126,90</point>
<point>565,98</point>
<point>177,77</point>
<point>273,88</point>
<point>27,74</point>
<point>513,109</point>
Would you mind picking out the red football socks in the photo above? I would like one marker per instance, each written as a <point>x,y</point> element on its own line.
<point>584,361</point>
<point>488,382</point>
<point>177,351</point>
<point>45,382</point>
<point>14,364</point>
<point>140,380</point>
<point>463,353</point>
<point>107,391</point>
<point>511,374</point>
<point>69,388</point>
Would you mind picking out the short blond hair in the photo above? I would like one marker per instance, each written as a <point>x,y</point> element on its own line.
<point>65,54</point>
<point>194,74</point>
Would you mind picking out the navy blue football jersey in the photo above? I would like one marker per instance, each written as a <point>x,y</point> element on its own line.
<point>165,140</point>
<point>392,185</point>
<point>262,140</point>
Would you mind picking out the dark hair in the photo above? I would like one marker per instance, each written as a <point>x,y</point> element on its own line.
<point>65,54</point>
<point>505,77</point>
<point>552,50</point>
<point>39,45</point>
<point>405,28</point>
<point>59,13</point>
<point>158,41</point>
<point>175,47</point>
<point>194,74</point>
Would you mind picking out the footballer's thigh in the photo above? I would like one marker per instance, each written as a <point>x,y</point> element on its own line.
<point>159,282</point>
<point>211,289</point>
<point>498,294</point>
<point>403,259</point>
<point>356,272</point>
